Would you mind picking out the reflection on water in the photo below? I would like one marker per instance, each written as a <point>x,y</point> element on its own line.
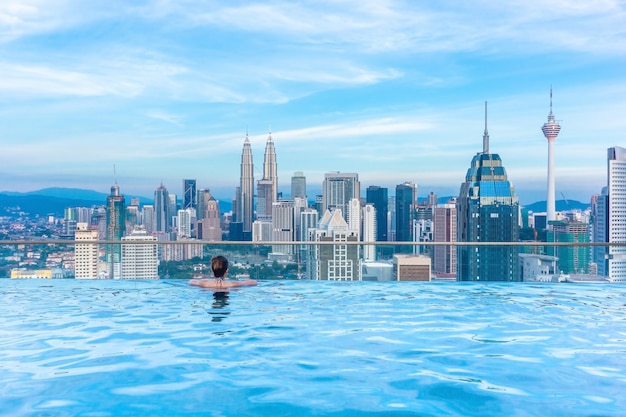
<point>220,302</point>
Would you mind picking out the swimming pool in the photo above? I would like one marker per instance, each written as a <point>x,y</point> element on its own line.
<point>304,348</point>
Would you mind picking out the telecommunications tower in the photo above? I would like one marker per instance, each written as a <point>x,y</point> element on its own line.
<point>551,130</point>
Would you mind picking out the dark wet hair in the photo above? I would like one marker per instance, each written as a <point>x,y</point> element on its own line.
<point>219,265</point>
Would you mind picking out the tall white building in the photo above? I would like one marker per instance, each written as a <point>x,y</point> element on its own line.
<point>616,213</point>
<point>283,226</point>
<point>262,231</point>
<point>354,214</point>
<point>185,219</point>
<point>369,232</point>
<point>306,233</point>
<point>86,254</point>
<point>140,261</point>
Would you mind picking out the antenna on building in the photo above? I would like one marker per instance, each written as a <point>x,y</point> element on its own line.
<point>486,134</point>
<point>114,175</point>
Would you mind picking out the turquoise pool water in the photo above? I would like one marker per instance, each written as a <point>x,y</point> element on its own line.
<point>161,348</point>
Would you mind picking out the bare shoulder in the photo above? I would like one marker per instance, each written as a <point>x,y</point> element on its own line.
<point>246,283</point>
<point>204,283</point>
<point>210,283</point>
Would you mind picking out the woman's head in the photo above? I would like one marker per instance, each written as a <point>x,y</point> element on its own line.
<point>219,265</point>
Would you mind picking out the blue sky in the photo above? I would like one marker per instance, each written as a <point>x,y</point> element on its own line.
<point>393,90</point>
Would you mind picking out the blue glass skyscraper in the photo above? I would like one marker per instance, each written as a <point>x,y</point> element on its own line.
<point>377,196</point>
<point>487,212</point>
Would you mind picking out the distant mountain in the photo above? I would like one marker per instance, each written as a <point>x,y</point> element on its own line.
<point>74,194</point>
<point>42,205</point>
<point>53,201</point>
<point>561,205</point>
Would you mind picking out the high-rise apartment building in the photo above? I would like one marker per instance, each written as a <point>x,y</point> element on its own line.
<point>86,254</point>
<point>377,196</point>
<point>185,218</point>
<point>487,212</point>
<point>337,191</point>
<point>139,260</point>
<point>616,214</point>
<point>189,194</point>
<point>308,223</point>
<point>339,261</point>
<point>116,228</point>
<point>298,185</point>
<point>245,195</point>
<point>354,214</point>
<point>369,232</point>
<point>161,210</point>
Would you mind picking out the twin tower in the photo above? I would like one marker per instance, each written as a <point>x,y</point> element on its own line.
<point>243,207</point>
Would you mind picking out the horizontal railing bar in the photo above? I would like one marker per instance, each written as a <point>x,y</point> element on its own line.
<point>273,243</point>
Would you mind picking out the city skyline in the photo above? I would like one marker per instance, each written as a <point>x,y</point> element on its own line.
<point>392,91</point>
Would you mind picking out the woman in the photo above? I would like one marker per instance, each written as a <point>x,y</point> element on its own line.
<point>219,266</point>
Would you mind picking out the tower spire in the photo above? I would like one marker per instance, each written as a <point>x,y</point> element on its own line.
<point>486,133</point>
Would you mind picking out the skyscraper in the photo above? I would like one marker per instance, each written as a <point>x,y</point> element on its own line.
<point>571,259</point>
<point>298,185</point>
<point>184,223</point>
<point>209,227</point>
<point>161,210</point>
<point>487,211</point>
<point>283,226</point>
<point>354,214</point>
<point>616,213</point>
<point>264,199</point>
<point>406,201</point>
<point>147,218</point>
<point>369,232</point>
<point>551,130</point>
<point>377,196</point>
<point>444,230</point>
<point>600,224</point>
<point>337,191</point>
<point>189,194</point>
<point>116,226</point>
<point>245,199</point>
<point>270,168</point>
<point>339,261</point>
